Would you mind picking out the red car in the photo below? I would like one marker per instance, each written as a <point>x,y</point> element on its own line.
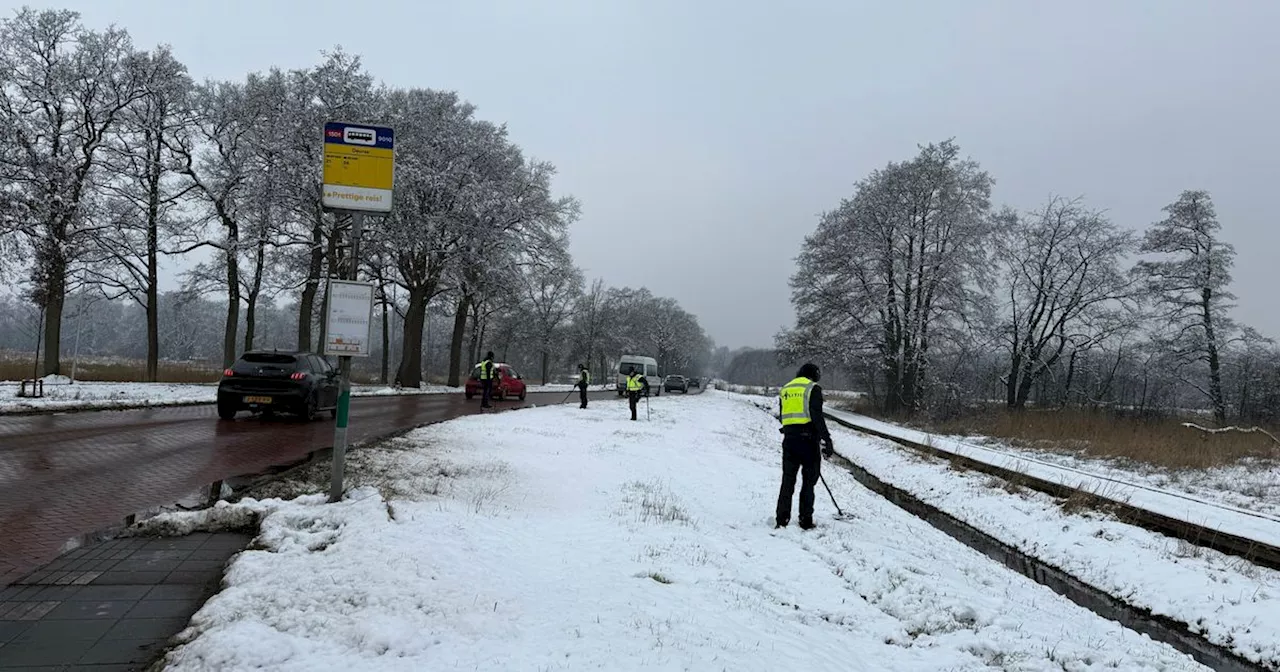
<point>506,383</point>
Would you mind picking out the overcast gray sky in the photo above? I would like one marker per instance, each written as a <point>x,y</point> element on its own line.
<point>716,131</point>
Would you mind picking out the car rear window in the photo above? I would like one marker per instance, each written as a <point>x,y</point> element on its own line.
<point>255,360</point>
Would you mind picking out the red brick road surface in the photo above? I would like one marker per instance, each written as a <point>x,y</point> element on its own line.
<point>62,476</point>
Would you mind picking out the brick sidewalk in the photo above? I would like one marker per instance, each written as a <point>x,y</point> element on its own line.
<point>113,606</point>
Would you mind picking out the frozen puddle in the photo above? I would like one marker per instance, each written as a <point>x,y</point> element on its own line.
<point>564,539</point>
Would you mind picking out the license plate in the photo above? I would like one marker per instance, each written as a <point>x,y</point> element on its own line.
<point>257,400</point>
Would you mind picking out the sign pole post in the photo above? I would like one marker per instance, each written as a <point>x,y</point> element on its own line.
<point>358,177</point>
<point>344,371</point>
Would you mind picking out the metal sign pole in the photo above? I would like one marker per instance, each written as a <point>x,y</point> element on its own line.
<point>344,371</point>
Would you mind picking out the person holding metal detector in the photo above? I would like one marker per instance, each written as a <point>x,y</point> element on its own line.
<point>636,384</point>
<point>803,429</point>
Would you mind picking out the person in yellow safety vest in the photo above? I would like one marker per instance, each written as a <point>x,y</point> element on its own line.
<point>584,379</point>
<point>803,429</point>
<point>486,375</point>
<point>636,384</point>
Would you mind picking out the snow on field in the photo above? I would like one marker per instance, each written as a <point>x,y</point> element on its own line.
<point>60,394</point>
<point>558,538</point>
<point>1252,485</point>
<point>1259,526</point>
<point>1232,602</point>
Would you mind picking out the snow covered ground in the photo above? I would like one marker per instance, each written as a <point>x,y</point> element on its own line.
<point>60,394</point>
<point>1232,602</point>
<point>557,538</point>
<point>1255,525</point>
<point>1252,485</point>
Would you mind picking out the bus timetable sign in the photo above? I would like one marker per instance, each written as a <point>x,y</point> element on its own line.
<point>359,167</point>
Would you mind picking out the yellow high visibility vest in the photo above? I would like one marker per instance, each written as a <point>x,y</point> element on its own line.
<point>634,384</point>
<point>586,376</point>
<point>795,402</point>
<point>486,372</point>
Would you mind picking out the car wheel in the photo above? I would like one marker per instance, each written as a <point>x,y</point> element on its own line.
<point>470,396</point>
<point>524,393</point>
<point>309,409</point>
<point>500,394</point>
<point>226,411</point>
<point>333,413</point>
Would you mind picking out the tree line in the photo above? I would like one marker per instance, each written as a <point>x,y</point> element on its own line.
<point>937,300</point>
<point>113,159</point>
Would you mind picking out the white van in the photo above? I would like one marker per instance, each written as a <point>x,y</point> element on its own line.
<point>647,366</point>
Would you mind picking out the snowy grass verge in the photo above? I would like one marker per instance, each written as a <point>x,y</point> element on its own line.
<point>557,538</point>
<point>1226,599</point>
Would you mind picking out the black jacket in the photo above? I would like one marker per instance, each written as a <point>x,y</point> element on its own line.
<point>817,426</point>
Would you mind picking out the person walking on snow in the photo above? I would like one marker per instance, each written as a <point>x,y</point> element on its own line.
<point>584,379</point>
<point>486,374</point>
<point>636,383</point>
<point>803,429</point>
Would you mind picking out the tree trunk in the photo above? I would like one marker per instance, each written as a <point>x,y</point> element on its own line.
<point>546,366</point>
<point>55,299</point>
<point>1071,376</point>
<point>306,305</point>
<point>1215,365</point>
<point>410,372</point>
<point>255,291</point>
<point>455,345</point>
<point>153,266</point>
<point>233,301</point>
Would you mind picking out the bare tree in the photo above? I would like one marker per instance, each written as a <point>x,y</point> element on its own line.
<point>62,90</point>
<point>1189,282</point>
<point>213,151</point>
<point>1061,267</point>
<point>141,198</point>
<point>895,266</point>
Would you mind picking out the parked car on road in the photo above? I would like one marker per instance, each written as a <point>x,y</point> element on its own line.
<point>506,383</point>
<point>675,382</point>
<point>301,383</point>
<point>695,382</point>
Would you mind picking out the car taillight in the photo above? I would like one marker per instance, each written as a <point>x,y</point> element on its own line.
<point>298,376</point>
<point>229,372</point>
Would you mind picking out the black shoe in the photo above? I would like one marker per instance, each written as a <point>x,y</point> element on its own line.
<point>806,524</point>
<point>781,524</point>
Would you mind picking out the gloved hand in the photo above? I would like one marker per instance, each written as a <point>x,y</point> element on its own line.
<point>828,449</point>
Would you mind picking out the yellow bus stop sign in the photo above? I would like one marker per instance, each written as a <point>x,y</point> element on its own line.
<point>359,167</point>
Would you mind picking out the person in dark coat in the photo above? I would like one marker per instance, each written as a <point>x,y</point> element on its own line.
<point>637,385</point>
<point>805,441</point>
<point>584,379</point>
<point>487,373</point>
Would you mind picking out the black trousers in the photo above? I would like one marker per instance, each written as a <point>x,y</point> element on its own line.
<point>582,394</point>
<point>800,454</point>
<point>633,398</point>
<point>486,392</point>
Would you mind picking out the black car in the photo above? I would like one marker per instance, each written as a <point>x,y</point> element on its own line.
<point>672,383</point>
<point>300,383</point>
<point>695,382</point>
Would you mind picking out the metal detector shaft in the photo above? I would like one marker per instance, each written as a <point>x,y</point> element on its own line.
<point>833,497</point>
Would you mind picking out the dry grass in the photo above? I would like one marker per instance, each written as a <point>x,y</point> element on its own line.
<point>15,366</point>
<point>1155,442</point>
<point>115,371</point>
